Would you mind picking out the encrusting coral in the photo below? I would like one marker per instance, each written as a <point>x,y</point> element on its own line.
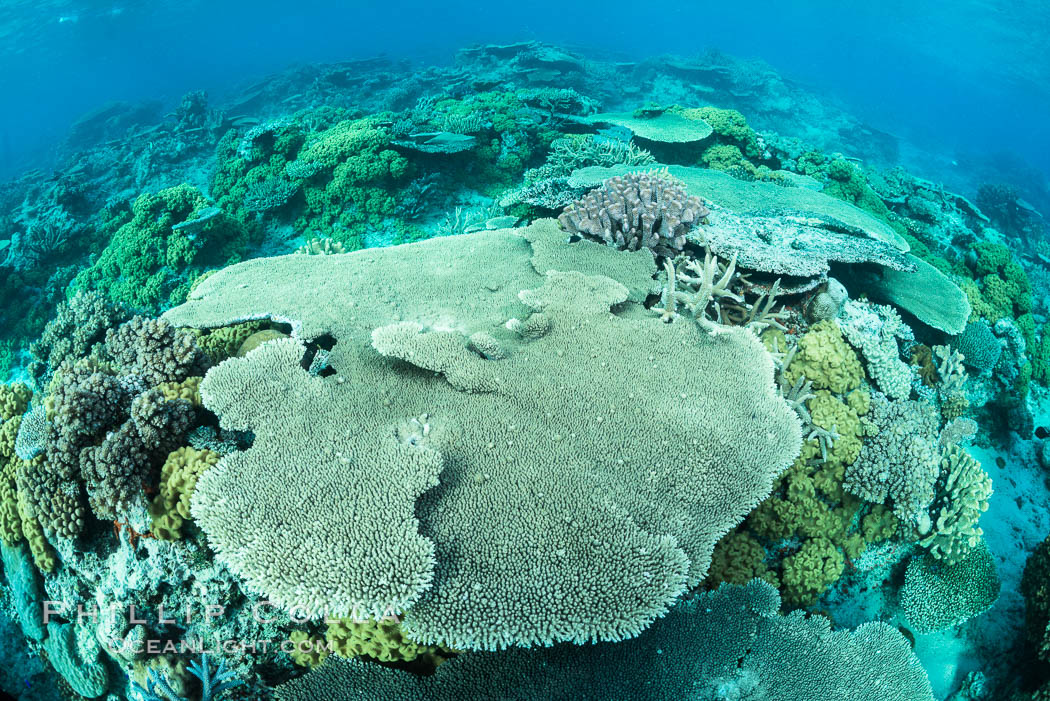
<point>937,595</point>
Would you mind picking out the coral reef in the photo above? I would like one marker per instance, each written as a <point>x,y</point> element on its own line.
<point>938,595</point>
<point>514,434</point>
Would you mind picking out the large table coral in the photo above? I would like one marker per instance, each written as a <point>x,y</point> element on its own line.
<point>725,644</point>
<point>569,490</point>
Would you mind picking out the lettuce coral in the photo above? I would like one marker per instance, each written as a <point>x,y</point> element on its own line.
<point>381,640</point>
<point>178,478</point>
<point>808,572</point>
<point>147,264</point>
<point>825,359</point>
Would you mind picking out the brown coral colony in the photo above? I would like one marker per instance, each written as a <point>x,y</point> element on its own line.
<point>637,210</point>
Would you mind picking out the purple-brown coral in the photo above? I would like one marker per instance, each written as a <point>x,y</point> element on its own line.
<point>111,425</point>
<point>637,210</point>
<point>155,351</point>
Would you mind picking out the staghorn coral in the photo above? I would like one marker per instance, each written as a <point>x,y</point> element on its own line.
<point>637,210</point>
<point>494,428</point>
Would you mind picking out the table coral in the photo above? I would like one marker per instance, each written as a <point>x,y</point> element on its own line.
<point>729,641</point>
<point>487,427</point>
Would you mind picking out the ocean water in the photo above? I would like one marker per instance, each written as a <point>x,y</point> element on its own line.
<point>546,351</point>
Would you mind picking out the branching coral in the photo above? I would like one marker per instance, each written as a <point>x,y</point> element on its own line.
<point>899,461</point>
<point>712,287</point>
<point>637,210</point>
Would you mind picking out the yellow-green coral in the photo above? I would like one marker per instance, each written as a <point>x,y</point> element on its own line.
<point>963,489</point>
<point>307,650</point>
<point>738,558</point>
<point>729,125</point>
<point>811,570</point>
<point>859,400</point>
<point>831,414</point>
<point>381,640</point>
<point>170,509</point>
<point>13,400</point>
<point>223,342</point>
<point>189,389</point>
<point>257,339</point>
<point>826,360</point>
<point>353,138</point>
<point>879,524</point>
<point>10,520</point>
<point>1004,290</point>
<point>43,555</point>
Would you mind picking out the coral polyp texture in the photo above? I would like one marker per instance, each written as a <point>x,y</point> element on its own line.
<point>719,643</point>
<point>637,210</point>
<point>517,501</point>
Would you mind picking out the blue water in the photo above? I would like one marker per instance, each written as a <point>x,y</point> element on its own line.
<point>968,78</point>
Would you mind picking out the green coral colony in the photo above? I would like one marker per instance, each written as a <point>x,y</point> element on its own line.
<point>511,393</point>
